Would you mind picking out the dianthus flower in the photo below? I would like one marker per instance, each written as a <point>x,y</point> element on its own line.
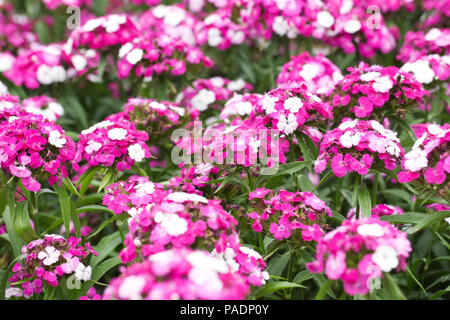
<point>427,69</point>
<point>112,142</point>
<point>419,44</point>
<point>178,274</point>
<point>9,106</point>
<point>289,110</point>
<point>240,105</point>
<point>34,149</point>
<point>150,56</point>
<point>104,32</point>
<point>49,260</point>
<point>16,30</point>
<point>380,210</point>
<point>211,93</point>
<point>359,251</point>
<point>429,155</point>
<point>368,89</point>
<point>318,73</point>
<point>357,145</point>
<point>53,4</point>
<point>283,213</point>
<point>46,106</point>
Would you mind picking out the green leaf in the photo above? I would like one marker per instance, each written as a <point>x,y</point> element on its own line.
<point>105,247</point>
<point>408,217</point>
<point>106,180</point>
<point>98,272</point>
<point>305,183</point>
<point>93,207</point>
<point>365,204</point>
<point>430,219</point>
<point>86,178</point>
<point>66,209</point>
<point>22,223</point>
<point>14,239</point>
<point>104,225</point>
<point>276,286</point>
<point>277,265</point>
<point>391,288</point>
<point>69,186</point>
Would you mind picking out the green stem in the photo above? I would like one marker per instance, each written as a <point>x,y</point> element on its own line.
<point>324,289</point>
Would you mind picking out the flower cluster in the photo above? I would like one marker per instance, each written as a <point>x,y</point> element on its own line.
<point>104,32</point>
<point>419,44</point>
<point>46,106</point>
<point>429,155</point>
<point>379,210</point>
<point>240,105</point>
<point>34,149</point>
<point>318,73</point>
<point>47,261</point>
<point>427,69</point>
<point>150,56</point>
<point>211,93</point>
<point>284,212</point>
<point>178,274</point>
<point>357,145</point>
<point>359,251</point>
<point>290,109</point>
<point>367,88</point>
<point>112,142</point>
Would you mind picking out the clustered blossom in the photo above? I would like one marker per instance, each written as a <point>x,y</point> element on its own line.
<point>290,109</point>
<point>359,251</point>
<point>429,155</point>
<point>211,93</point>
<point>380,210</point>
<point>104,32</point>
<point>193,178</point>
<point>46,106</point>
<point>112,142</point>
<point>419,44</point>
<point>429,68</point>
<point>34,149</point>
<point>155,117</point>
<point>53,4</point>
<point>46,262</point>
<point>16,30</point>
<point>240,105</point>
<point>356,145</point>
<point>318,73</point>
<point>284,212</point>
<point>162,219</point>
<point>367,89</point>
<point>178,274</point>
<point>158,55</point>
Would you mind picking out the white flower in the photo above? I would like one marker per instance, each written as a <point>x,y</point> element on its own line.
<point>433,34</point>
<point>214,37</point>
<point>6,62</point>
<point>288,125</point>
<point>309,71</point>
<point>79,62</point>
<point>92,146</point>
<point>352,26</point>
<point>56,108</point>
<point>370,76</point>
<point>348,139</point>
<point>374,230</point>
<point>183,197</point>
<point>236,85</point>
<point>244,108</point>
<point>346,6</point>
<point>125,49</point>
<point>135,56</point>
<point>136,152</point>
<point>145,188</point>
<point>421,70</point>
<point>117,134</point>
<point>293,104</point>
<point>385,257</point>
<point>174,225</point>
<point>13,292</point>
<point>416,160</point>
<point>44,74</point>
<point>113,22</point>
<point>54,138</point>
<point>348,124</point>
<point>58,74</point>
<point>93,24</point>
<point>131,288</point>
<point>280,26</point>
<point>83,273</point>
<point>325,19</point>
<point>268,104</point>
<point>3,89</point>
<point>382,84</point>
<point>202,99</point>
<point>50,255</point>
